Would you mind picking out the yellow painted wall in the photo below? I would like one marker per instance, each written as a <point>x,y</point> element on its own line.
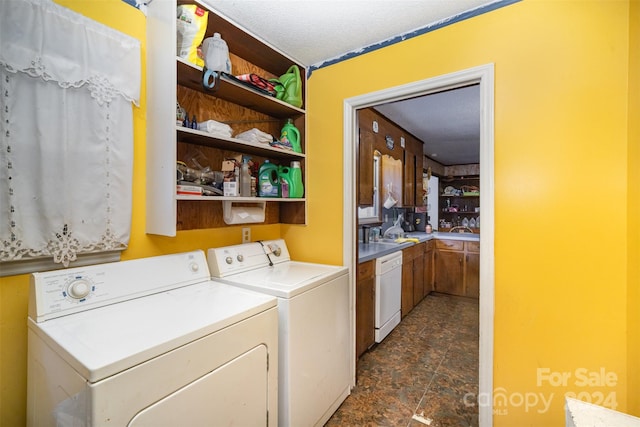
<point>562,70</point>
<point>561,181</point>
<point>633,303</point>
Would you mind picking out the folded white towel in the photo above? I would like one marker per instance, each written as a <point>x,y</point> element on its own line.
<point>255,135</point>
<point>218,128</point>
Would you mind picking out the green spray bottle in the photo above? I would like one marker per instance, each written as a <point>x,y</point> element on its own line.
<point>291,135</point>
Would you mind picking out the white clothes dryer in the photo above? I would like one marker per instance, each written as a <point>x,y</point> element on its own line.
<point>314,323</point>
<point>149,342</point>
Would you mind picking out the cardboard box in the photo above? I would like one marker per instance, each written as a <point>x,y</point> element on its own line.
<point>231,189</point>
<point>189,190</point>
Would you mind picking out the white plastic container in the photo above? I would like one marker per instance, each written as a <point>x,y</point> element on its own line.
<point>216,54</point>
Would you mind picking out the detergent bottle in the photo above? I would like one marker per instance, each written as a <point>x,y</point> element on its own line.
<point>291,179</point>
<point>291,135</point>
<point>268,180</point>
<point>297,187</point>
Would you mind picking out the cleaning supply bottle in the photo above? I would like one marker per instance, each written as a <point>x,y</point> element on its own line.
<point>245,180</point>
<point>296,189</point>
<point>285,181</point>
<point>216,54</point>
<point>291,135</point>
<point>292,177</point>
<point>268,180</point>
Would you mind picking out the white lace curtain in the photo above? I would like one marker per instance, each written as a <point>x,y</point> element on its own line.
<point>66,143</point>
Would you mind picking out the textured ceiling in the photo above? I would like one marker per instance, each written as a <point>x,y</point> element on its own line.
<point>317,32</point>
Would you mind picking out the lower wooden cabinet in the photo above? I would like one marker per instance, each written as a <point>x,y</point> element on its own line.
<point>414,272</point>
<point>428,265</point>
<point>457,267</point>
<point>472,269</point>
<point>365,306</point>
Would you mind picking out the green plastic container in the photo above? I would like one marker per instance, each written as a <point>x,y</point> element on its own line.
<point>291,135</point>
<point>292,178</point>
<point>268,181</point>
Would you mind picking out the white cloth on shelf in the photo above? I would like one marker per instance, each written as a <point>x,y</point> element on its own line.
<point>215,127</point>
<point>256,136</point>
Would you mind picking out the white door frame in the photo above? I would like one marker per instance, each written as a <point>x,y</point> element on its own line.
<point>484,75</point>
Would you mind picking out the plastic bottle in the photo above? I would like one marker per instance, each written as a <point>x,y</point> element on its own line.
<point>268,180</point>
<point>245,180</point>
<point>216,54</point>
<point>291,135</point>
<point>292,177</point>
<point>296,189</point>
<point>285,181</point>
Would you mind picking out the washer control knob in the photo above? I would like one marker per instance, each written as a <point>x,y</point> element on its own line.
<point>194,267</point>
<point>240,257</point>
<point>229,260</point>
<point>79,289</point>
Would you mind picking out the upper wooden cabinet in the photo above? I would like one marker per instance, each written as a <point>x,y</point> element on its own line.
<point>390,140</point>
<point>365,167</point>
<point>171,80</point>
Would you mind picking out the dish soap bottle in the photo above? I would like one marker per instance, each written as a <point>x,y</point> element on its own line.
<point>291,135</point>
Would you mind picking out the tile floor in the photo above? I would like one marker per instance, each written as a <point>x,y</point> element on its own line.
<point>425,366</point>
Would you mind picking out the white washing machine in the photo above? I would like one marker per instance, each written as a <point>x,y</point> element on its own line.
<point>314,340</point>
<point>149,342</point>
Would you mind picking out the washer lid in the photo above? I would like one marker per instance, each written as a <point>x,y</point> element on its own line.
<point>286,279</point>
<point>102,342</point>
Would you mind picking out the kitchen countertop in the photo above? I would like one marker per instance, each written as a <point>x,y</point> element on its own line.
<point>373,250</point>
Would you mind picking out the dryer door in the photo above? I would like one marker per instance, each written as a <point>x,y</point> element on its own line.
<point>233,394</point>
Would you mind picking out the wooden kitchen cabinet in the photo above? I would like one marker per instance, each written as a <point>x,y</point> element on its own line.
<point>472,269</point>
<point>412,277</point>
<point>365,306</point>
<point>418,273</point>
<point>428,272</point>
<point>457,267</point>
<point>413,156</point>
<point>397,145</point>
<point>365,168</point>
<point>406,302</point>
<point>171,79</point>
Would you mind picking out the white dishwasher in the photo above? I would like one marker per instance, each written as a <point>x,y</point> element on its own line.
<point>388,293</point>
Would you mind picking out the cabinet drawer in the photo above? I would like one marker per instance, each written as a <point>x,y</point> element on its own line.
<point>452,245</point>
<point>366,270</point>
<point>472,246</point>
<point>429,245</point>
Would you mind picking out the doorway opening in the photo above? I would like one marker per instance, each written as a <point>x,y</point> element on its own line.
<point>484,77</point>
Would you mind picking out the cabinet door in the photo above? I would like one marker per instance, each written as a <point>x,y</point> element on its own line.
<point>407,286</point>
<point>472,275</point>
<point>365,307</point>
<point>428,270</point>
<point>409,178</point>
<point>418,273</point>
<point>365,168</point>
<point>449,272</point>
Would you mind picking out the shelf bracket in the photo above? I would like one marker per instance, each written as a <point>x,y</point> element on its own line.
<point>243,214</point>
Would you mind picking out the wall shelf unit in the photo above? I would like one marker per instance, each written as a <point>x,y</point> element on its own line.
<point>459,200</point>
<point>171,79</point>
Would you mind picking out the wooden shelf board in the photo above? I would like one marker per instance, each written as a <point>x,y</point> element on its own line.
<point>190,76</point>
